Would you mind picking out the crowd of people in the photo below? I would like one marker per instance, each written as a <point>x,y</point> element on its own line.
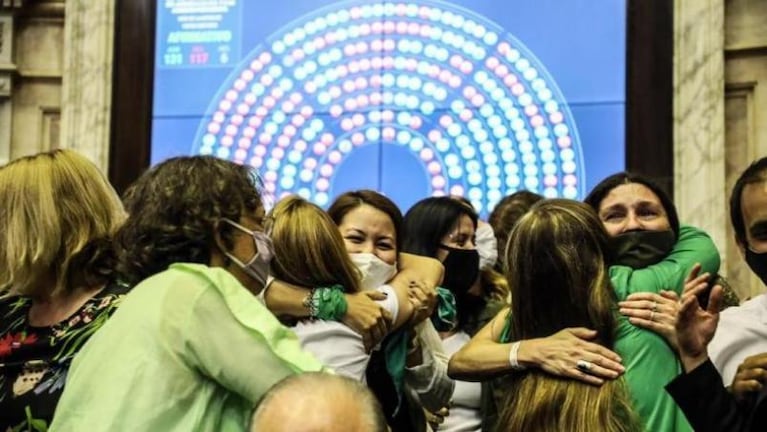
<point>188,305</point>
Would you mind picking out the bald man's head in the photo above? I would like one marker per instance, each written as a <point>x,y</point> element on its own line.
<point>317,402</point>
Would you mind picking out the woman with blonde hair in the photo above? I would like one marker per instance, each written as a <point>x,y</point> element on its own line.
<point>57,285</point>
<point>309,252</point>
<point>560,279</point>
<point>313,253</point>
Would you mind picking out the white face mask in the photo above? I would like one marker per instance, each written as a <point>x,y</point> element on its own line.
<point>487,246</point>
<point>374,271</point>
<point>258,266</point>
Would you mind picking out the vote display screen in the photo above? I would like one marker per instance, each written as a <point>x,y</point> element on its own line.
<point>477,98</point>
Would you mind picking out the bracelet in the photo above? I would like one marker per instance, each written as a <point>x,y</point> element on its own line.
<point>309,303</point>
<point>513,361</point>
<point>329,303</point>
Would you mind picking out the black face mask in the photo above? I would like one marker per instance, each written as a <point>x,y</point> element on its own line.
<point>757,262</point>
<point>461,269</point>
<point>639,249</point>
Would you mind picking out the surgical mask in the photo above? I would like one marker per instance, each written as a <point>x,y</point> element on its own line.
<point>640,249</point>
<point>487,246</point>
<point>757,262</point>
<point>461,269</point>
<point>258,266</point>
<point>374,271</point>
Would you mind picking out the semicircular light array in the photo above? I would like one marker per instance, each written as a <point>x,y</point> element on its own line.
<point>470,101</point>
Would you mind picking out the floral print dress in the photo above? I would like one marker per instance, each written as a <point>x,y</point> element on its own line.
<point>34,360</point>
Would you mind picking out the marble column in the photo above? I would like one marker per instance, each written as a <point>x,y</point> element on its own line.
<point>7,70</point>
<point>699,162</point>
<point>87,87</point>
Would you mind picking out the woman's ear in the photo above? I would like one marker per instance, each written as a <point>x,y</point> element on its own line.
<point>220,237</point>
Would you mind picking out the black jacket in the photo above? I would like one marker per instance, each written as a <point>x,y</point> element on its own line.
<point>709,407</point>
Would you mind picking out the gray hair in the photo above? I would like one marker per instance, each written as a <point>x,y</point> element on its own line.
<point>319,385</point>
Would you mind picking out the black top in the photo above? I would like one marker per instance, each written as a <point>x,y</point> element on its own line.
<point>709,407</point>
<point>34,360</point>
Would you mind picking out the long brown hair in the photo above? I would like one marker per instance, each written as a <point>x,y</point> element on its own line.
<point>557,272</point>
<point>308,248</point>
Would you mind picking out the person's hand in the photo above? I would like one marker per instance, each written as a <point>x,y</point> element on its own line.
<point>423,298</point>
<point>569,353</point>
<point>751,377</point>
<point>436,418</point>
<point>695,326</point>
<point>655,312</point>
<point>367,317</point>
<point>695,282</point>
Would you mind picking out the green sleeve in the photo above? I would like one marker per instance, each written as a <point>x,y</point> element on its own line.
<point>234,340</point>
<point>693,246</point>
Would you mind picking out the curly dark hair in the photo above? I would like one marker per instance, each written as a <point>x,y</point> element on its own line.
<point>174,210</point>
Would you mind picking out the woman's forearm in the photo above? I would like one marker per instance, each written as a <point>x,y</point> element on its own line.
<point>480,360</point>
<point>284,299</point>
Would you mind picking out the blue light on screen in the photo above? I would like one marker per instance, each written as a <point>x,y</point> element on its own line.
<point>415,98</point>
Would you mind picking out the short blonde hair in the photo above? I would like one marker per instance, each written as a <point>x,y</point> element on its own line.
<point>57,207</point>
<point>308,248</point>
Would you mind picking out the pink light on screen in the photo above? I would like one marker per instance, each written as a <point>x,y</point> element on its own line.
<point>426,155</point>
<point>350,104</point>
<point>319,148</point>
<point>388,134</point>
<point>335,157</point>
<point>434,167</point>
<point>290,131</point>
<point>434,136</point>
<point>347,124</point>
<point>326,170</point>
<point>358,139</point>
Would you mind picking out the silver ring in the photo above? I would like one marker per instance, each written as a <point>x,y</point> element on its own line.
<point>652,315</point>
<point>654,306</point>
<point>584,366</point>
